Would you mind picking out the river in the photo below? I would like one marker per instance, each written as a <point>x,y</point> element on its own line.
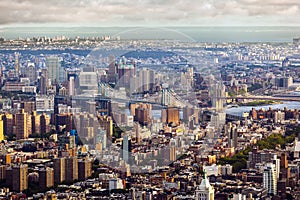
<point>239,110</point>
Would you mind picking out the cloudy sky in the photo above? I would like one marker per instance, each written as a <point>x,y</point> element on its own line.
<point>149,12</point>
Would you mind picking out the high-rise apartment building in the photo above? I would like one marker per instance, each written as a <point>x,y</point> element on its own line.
<point>44,124</point>
<point>8,120</point>
<point>46,178</point>
<point>71,169</point>
<point>16,177</point>
<point>59,170</point>
<point>142,113</point>
<point>23,125</point>
<point>270,179</point>
<point>84,169</point>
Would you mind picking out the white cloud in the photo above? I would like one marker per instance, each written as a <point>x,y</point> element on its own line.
<point>150,12</point>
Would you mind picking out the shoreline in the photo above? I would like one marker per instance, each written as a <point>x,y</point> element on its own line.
<point>260,103</point>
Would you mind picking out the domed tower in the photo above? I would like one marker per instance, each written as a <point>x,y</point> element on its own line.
<point>205,191</point>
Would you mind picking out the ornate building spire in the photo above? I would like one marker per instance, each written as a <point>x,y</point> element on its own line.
<point>205,191</point>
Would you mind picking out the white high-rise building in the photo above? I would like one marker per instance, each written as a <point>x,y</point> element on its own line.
<point>205,191</point>
<point>270,178</point>
<point>71,86</point>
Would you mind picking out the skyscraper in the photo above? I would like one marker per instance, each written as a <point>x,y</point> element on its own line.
<point>56,72</point>
<point>270,179</point>
<point>126,71</point>
<point>71,90</point>
<point>231,132</point>
<point>126,148</point>
<point>44,81</point>
<point>17,63</point>
<point>112,74</point>
<point>144,81</point>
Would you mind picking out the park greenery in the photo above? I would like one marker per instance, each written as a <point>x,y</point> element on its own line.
<point>258,103</point>
<point>239,160</point>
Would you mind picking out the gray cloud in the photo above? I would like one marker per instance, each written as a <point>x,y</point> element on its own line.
<point>150,12</point>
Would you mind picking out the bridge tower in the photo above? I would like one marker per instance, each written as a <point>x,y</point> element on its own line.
<point>218,117</point>
<point>217,96</point>
<point>165,96</point>
<point>102,89</point>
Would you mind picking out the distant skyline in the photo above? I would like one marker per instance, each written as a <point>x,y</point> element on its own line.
<point>109,13</point>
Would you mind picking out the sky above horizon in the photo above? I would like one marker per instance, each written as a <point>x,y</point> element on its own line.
<point>149,13</point>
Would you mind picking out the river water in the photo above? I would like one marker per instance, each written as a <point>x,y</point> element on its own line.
<point>239,110</point>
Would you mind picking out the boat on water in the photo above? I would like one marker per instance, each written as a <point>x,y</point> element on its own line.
<point>233,106</point>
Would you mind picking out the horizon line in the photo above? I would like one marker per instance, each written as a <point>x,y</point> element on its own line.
<point>172,26</point>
